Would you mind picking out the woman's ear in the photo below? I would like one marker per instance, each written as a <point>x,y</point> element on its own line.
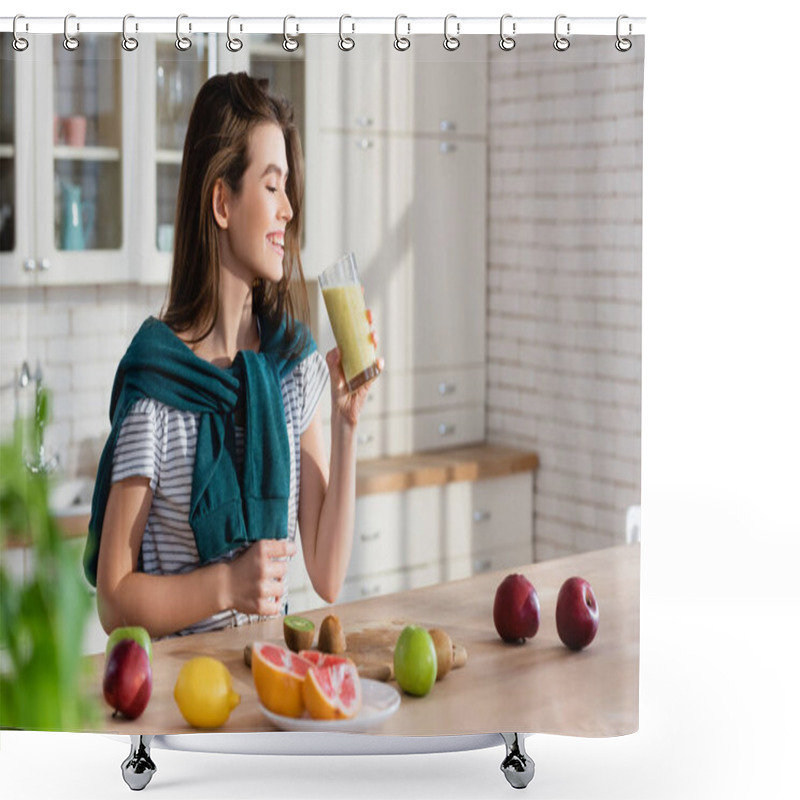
<point>219,203</point>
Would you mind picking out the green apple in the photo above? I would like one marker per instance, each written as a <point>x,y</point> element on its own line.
<point>139,635</point>
<point>415,660</point>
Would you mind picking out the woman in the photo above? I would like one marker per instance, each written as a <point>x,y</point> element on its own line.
<point>216,453</point>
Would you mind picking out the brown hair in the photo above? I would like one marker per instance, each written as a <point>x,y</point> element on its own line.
<point>225,112</point>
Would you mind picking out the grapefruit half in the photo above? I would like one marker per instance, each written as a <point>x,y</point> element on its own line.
<point>279,674</point>
<point>332,691</point>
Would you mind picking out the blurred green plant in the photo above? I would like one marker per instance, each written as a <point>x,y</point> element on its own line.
<point>44,678</point>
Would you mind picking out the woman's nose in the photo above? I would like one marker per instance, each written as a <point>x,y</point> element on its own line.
<point>285,210</point>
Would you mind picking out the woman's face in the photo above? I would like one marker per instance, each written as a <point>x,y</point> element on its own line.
<point>257,217</point>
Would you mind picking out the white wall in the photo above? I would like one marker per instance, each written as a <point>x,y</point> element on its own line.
<point>565,280</point>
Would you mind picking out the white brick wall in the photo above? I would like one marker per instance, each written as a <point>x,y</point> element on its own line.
<point>564,280</point>
<point>78,335</point>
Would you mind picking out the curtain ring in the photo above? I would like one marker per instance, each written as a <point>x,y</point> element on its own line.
<point>233,44</point>
<point>507,42</point>
<point>290,44</point>
<point>70,43</point>
<point>401,43</point>
<point>345,42</point>
<point>623,45</point>
<point>129,43</point>
<point>561,43</point>
<point>182,43</point>
<point>19,43</point>
<point>451,42</point>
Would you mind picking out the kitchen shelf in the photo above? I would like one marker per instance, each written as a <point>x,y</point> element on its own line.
<point>174,157</point>
<point>6,151</point>
<point>64,152</point>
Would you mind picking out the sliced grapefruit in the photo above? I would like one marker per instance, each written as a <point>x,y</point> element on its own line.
<point>320,659</point>
<point>278,674</point>
<point>332,691</point>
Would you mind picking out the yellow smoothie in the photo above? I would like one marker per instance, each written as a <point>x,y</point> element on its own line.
<point>348,315</point>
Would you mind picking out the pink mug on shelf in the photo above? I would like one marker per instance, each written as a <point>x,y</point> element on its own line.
<point>75,131</point>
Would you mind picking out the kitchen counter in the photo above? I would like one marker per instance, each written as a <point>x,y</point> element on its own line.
<point>539,686</point>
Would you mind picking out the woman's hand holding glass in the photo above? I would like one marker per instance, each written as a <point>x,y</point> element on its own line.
<point>347,405</point>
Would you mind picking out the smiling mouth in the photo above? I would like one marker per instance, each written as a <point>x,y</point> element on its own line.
<point>276,242</point>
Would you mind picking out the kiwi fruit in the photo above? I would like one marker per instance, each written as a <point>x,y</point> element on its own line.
<point>444,652</point>
<point>298,632</point>
<point>331,635</point>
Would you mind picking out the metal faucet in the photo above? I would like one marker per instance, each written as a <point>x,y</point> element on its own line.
<point>40,465</point>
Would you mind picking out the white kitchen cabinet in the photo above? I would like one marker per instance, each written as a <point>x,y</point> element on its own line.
<point>367,89</point>
<point>403,185</point>
<point>72,145</point>
<point>449,253</point>
<point>425,535</point>
<point>449,88</point>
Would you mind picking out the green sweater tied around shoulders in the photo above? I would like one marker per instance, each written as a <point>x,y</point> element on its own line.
<point>224,511</point>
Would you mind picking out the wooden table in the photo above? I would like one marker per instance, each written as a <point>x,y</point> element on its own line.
<point>539,686</point>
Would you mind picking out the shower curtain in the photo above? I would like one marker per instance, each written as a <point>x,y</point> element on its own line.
<point>490,188</point>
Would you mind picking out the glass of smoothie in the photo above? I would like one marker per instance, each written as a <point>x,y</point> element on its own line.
<point>344,300</point>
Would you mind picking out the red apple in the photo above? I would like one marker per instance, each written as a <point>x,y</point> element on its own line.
<point>128,678</point>
<point>516,609</point>
<point>577,614</point>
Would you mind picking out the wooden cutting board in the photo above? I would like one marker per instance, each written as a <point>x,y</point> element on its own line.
<point>371,647</point>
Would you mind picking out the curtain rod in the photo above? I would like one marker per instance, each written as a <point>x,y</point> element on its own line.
<point>407,26</point>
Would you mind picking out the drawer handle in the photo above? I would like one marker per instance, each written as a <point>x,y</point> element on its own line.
<point>446,125</point>
<point>481,516</point>
<point>370,537</point>
<point>446,429</point>
<point>445,148</point>
<point>365,438</point>
<point>364,144</point>
<point>366,591</point>
<point>364,122</point>
<point>445,388</point>
<point>482,565</point>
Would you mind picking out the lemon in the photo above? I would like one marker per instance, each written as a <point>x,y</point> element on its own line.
<point>204,692</point>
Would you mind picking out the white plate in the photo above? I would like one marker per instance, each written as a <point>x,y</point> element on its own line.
<point>379,701</point>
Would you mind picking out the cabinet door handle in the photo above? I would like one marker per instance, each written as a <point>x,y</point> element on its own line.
<point>368,591</point>
<point>44,264</point>
<point>445,388</point>
<point>482,565</point>
<point>364,144</point>
<point>445,148</point>
<point>29,264</point>
<point>480,515</point>
<point>364,122</point>
<point>445,429</point>
<point>370,537</point>
<point>365,438</point>
<point>446,125</point>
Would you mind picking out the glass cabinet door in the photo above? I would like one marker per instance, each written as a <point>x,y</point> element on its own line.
<point>17,257</point>
<point>87,145</point>
<point>83,137</point>
<point>178,78</point>
<point>8,218</point>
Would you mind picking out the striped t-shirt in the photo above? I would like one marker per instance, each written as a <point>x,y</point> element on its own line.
<point>159,442</point>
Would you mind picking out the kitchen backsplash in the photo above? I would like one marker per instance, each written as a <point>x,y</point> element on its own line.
<point>565,283</point>
<point>78,335</point>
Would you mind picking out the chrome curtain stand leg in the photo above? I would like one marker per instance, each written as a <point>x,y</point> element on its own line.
<point>518,766</point>
<point>138,768</point>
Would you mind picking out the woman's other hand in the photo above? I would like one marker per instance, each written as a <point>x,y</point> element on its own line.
<point>258,577</point>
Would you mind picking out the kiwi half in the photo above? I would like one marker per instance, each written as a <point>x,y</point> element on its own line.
<point>331,635</point>
<point>298,632</point>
